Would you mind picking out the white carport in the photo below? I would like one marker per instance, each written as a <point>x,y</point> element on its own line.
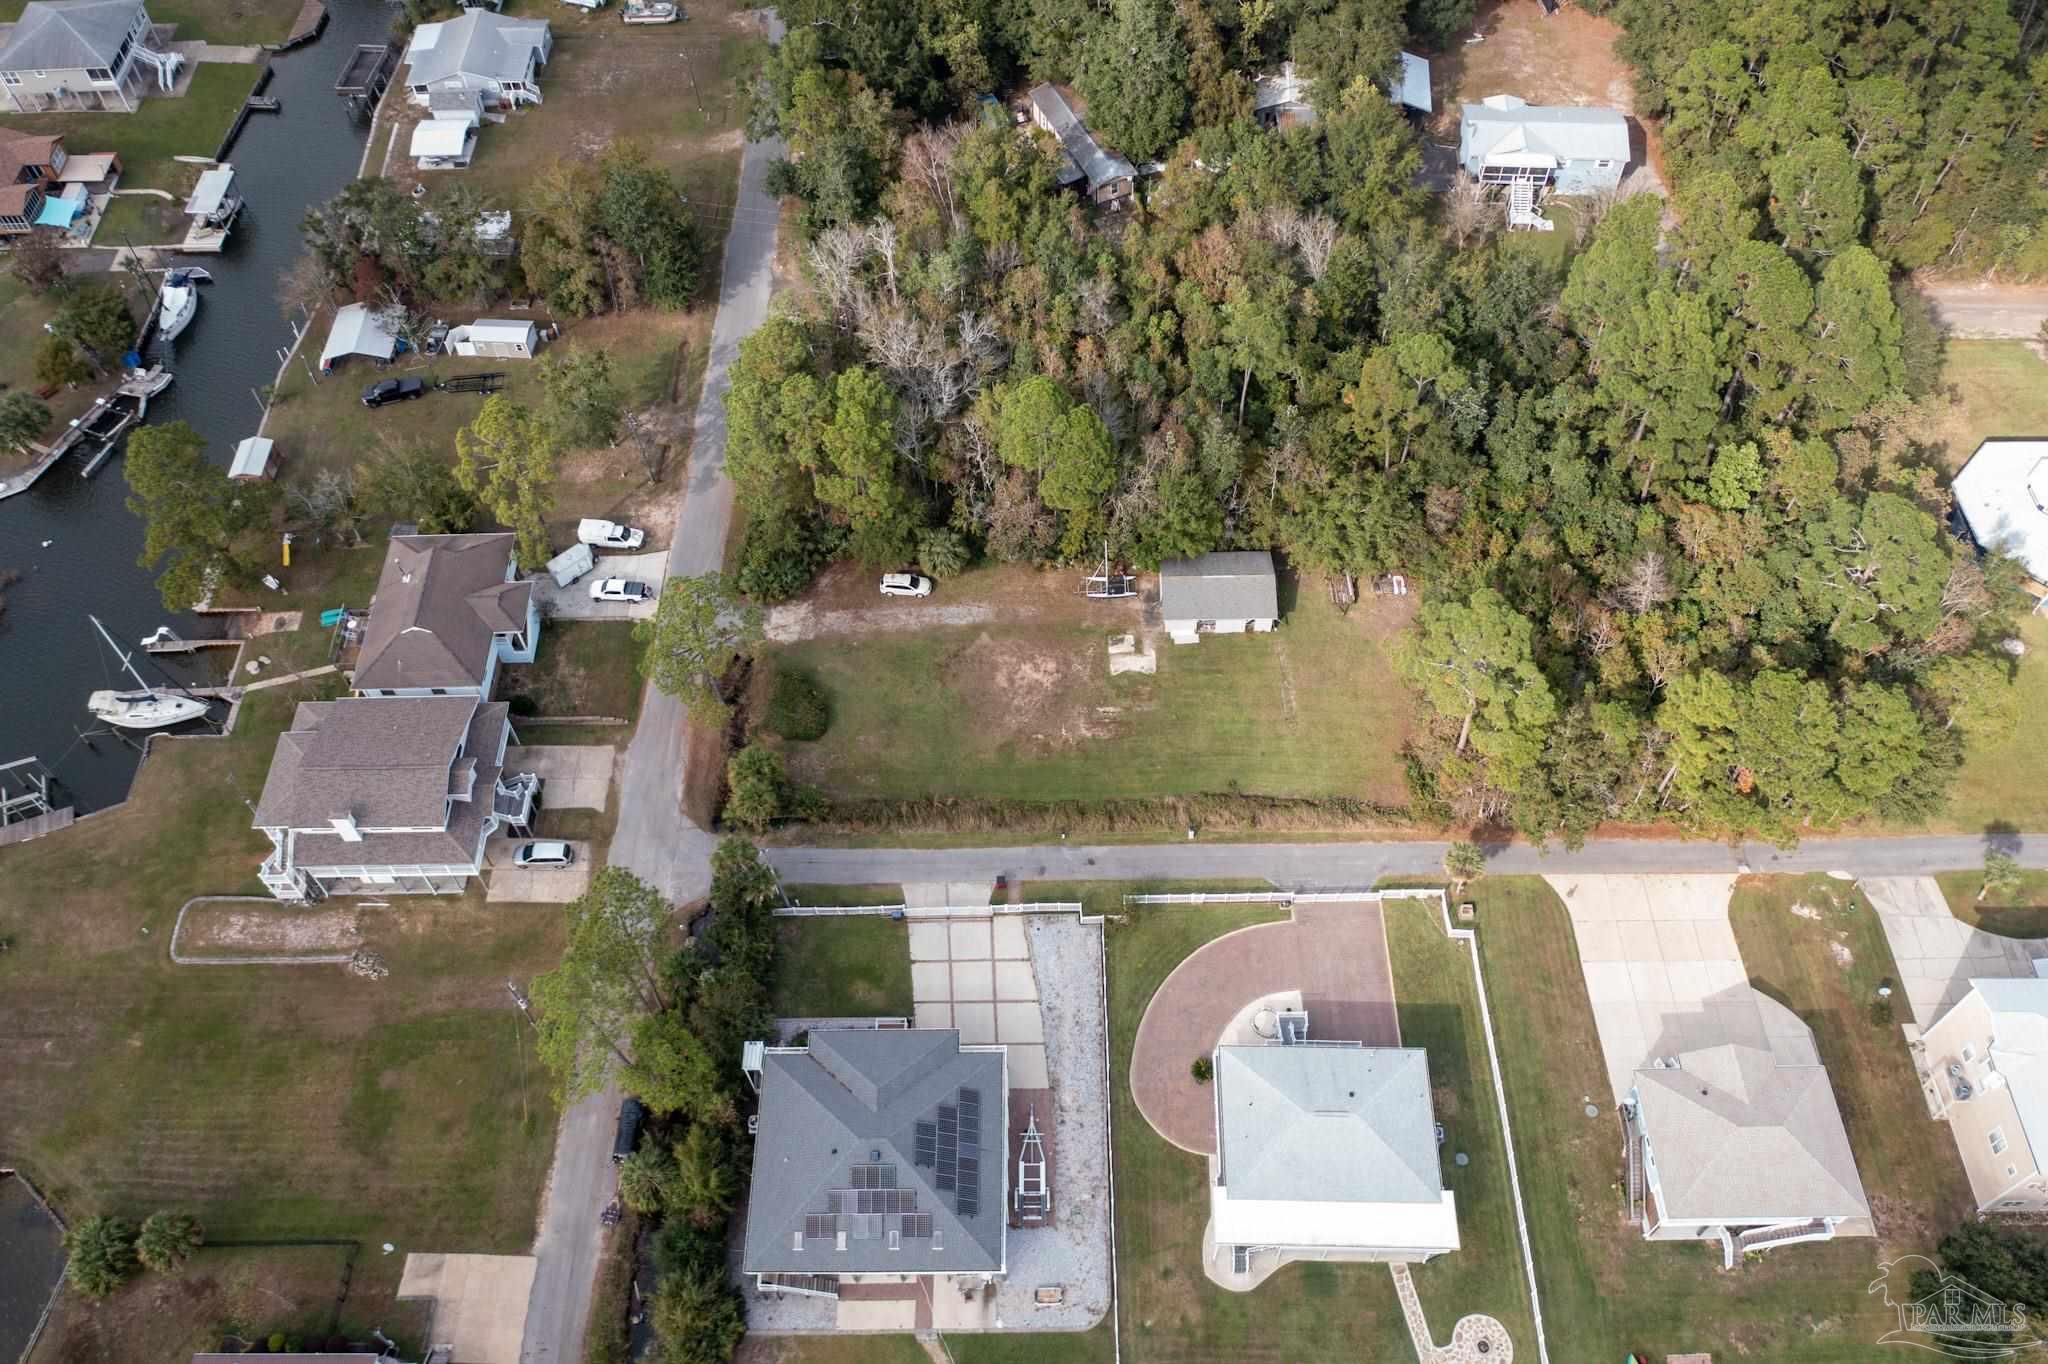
<point>444,143</point>
<point>357,331</point>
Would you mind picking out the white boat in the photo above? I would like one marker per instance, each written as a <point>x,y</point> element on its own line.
<point>650,12</point>
<point>148,708</point>
<point>177,304</point>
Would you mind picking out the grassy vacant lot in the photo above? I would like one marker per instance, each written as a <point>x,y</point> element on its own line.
<point>147,140</point>
<point>852,967</point>
<point>217,21</point>
<point>2021,914</point>
<point>583,667</point>
<point>1605,1290</point>
<point>1022,707</point>
<point>2000,783</point>
<point>1014,1347</point>
<point>2003,387</point>
<point>273,1102</point>
<point>1172,1313</point>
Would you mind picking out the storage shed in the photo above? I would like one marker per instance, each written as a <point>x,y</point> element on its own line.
<point>357,331</point>
<point>2002,497</point>
<point>497,338</point>
<point>1219,594</point>
<point>255,458</point>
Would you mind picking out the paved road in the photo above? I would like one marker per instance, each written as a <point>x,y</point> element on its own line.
<point>1990,310</point>
<point>1309,866</point>
<point>654,838</point>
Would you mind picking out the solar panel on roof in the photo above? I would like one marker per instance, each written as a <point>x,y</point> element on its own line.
<point>968,1204</point>
<point>926,1149</point>
<point>918,1226</point>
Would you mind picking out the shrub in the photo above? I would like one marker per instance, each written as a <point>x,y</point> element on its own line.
<point>698,1319</point>
<point>1202,1070</point>
<point>755,788</point>
<point>942,552</point>
<point>781,553</point>
<point>798,708</point>
<point>522,705</point>
<point>102,1255</point>
<point>167,1240</point>
<point>682,1248</point>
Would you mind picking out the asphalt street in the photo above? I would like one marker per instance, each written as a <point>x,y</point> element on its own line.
<point>1991,310</point>
<point>654,839</point>
<point>1332,866</point>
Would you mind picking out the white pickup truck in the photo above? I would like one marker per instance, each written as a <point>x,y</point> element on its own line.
<point>609,534</point>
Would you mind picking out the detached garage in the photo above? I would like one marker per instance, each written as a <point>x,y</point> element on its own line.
<point>495,338</point>
<point>1219,594</point>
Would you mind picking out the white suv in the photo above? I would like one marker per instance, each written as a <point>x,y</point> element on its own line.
<point>906,585</point>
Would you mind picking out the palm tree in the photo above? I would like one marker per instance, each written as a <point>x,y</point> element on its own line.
<point>167,1240</point>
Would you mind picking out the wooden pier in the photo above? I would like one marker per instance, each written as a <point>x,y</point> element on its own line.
<point>26,809</point>
<point>312,19</point>
<point>241,623</point>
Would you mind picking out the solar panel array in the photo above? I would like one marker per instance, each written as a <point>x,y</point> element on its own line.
<point>926,1152</point>
<point>917,1227</point>
<point>888,1201</point>
<point>820,1225</point>
<point>967,1199</point>
<point>949,1148</point>
<point>874,1177</point>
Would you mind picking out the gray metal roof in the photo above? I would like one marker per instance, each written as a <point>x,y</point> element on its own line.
<point>1738,1137</point>
<point>479,43</point>
<point>1327,1124</point>
<point>1220,586</point>
<point>1089,156</point>
<point>856,1098</point>
<point>65,35</point>
<point>1503,125</point>
<point>1409,85</point>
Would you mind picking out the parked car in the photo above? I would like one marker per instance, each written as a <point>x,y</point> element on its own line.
<point>906,585</point>
<point>620,589</point>
<point>627,1135</point>
<point>610,534</point>
<point>544,855</point>
<point>392,391</point>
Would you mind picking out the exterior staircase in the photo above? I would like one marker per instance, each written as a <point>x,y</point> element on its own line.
<point>1765,1238</point>
<point>808,1285</point>
<point>1632,1149</point>
<point>1522,208</point>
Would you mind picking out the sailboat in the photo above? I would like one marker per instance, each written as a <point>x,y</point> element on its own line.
<point>177,304</point>
<point>148,708</point>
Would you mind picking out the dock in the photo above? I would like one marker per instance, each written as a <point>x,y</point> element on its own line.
<point>312,19</point>
<point>101,428</point>
<point>241,623</point>
<point>366,76</point>
<point>26,808</point>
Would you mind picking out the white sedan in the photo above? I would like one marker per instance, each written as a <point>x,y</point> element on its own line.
<point>620,589</point>
<point>906,585</point>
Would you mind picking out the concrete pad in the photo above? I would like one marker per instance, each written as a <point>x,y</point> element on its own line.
<point>931,980</point>
<point>479,1302</point>
<point>938,894</point>
<point>973,980</point>
<point>976,1022</point>
<point>1677,941</point>
<point>873,1314</point>
<point>573,776</point>
<point>954,1311</point>
<point>1019,1023</point>
<point>932,1014</point>
<point>1027,1068</point>
<point>507,884</point>
<point>573,602</point>
<point>931,894</point>
<point>1008,938</point>
<point>1599,940</point>
<point>970,940</point>
<point>1607,981</point>
<point>1639,940</point>
<point>1015,981</point>
<point>928,941</point>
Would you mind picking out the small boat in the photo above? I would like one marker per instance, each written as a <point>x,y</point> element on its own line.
<point>177,304</point>
<point>148,708</point>
<point>650,12</point>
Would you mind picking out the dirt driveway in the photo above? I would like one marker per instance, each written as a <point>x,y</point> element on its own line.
<point>1335,955</point>
<point>846,601</point>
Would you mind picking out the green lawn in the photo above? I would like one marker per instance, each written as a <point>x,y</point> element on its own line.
<point>217,21</point>
<point>857,966</point>
<point>2019,914</point>
<point>2000,784</point>
<point>2004,390</point>
<point>147,140</point>
<point>1026,710</point>
<point>1607,1291</point>
<point>583,667</point>
<point>270,1101</point>
<point>22,315</point>
<point>140,220</point>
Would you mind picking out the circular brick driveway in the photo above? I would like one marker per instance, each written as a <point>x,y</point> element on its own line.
<point>1334,954</point>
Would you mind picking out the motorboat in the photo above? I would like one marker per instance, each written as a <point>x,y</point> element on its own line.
<point>147,708</point>
<point>177,304</point>
<point>650,12</point>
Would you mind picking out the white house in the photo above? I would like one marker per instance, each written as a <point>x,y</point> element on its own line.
<point>388,796</point>
<point>1219,594</point>
<point>481,52</point>
<point>2002,497</point>
<point>496,337</point>
<point>1507,141</point>
<point>1984,1066</point>
<point>449,609</point>
<point>1324,1151</point>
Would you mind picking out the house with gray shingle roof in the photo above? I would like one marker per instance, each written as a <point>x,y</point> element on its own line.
<point>80,54</point>
<point>479,53</point>
<point>389,796</point>
<point>448,610</point>
<point>1734,1143</point>
<point>1219,594</point>
<point>879,1154</point>
<point>1324,1151</point>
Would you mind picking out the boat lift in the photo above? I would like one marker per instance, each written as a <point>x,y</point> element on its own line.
<point>1031,1199</point>
<point>1108,586</point>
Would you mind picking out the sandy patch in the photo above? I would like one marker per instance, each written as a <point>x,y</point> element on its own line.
<point>256,929</point>
<point>801,620</point>
<point>1025,690</point>
<point>1844,958</point>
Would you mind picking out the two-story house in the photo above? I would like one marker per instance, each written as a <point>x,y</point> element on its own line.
<point>81,54</point>
<point>389,796</point>
<point>1985,1070</point>
<point>449,609</point>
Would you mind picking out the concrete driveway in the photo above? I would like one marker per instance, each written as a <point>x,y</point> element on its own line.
<point>1937,953</point>
<point>479,1302</point>
<point>573,602</point>
<point>1664,975</point>
<point>533,885</point>
<point>574,776</point>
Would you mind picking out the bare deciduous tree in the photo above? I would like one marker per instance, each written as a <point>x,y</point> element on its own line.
<point>1471,212</point>
<point>1646,585</point>
<point>835,257</point>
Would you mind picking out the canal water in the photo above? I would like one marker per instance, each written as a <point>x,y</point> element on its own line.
<point>72,541</point>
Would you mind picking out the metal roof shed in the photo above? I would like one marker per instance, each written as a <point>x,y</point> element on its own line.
<point>496,337</point>
<point>1219,594</point>
<point>2002,494</point>
<point>357,331</point>
<point>1410,84</point>
<point>254,458</point>
<point>443,139</point>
